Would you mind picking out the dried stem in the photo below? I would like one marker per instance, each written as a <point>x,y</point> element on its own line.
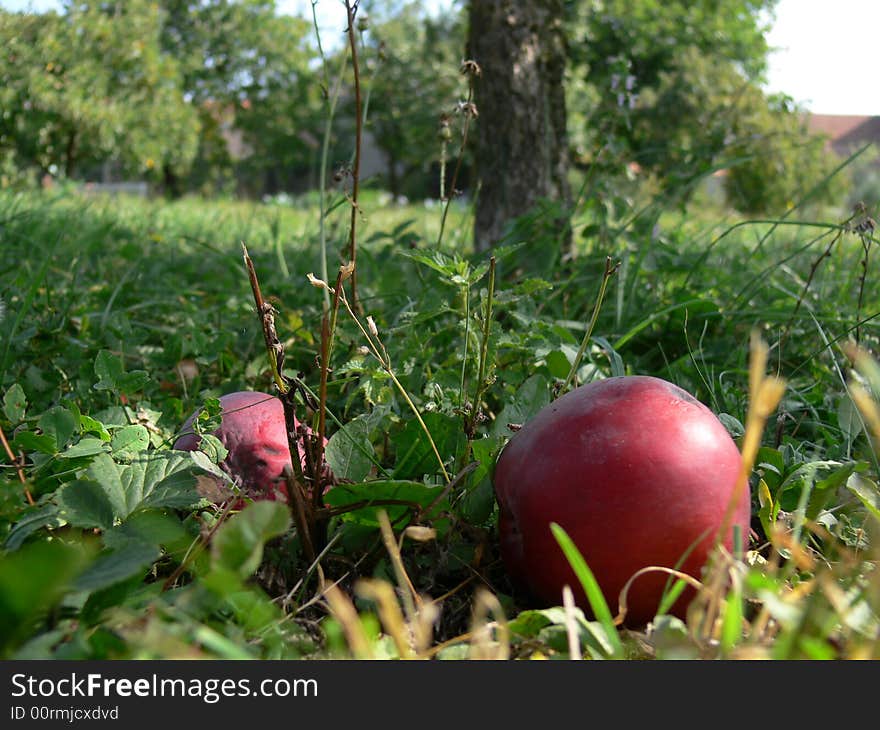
<point>469,111</point>
<point>265,312</point>
<point>351,9</point>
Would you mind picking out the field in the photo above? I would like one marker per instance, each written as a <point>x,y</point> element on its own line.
<point>122,316</point>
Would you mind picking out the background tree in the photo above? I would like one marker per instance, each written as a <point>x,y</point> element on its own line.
<point>674,87</point>
<point>245,68</point>
<point>93,84</point>
<point>521,147</point>
<point>412,62</point>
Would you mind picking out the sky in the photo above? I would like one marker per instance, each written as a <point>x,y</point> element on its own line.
<point>825,53</point>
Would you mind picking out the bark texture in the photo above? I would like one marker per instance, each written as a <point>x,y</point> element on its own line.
<point>521,150</point>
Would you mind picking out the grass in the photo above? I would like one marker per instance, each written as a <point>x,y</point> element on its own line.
<point>123,315</point>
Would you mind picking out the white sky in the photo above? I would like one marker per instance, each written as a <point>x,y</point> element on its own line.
<point>827,57</point>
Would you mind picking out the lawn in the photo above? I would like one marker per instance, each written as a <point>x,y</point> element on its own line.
<point>122,316</point>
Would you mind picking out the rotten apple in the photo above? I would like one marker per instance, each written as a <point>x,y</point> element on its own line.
<point>253,430</point>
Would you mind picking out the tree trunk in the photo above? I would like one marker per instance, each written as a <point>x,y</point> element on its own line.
<point>171,186</point>
<point>522,149</point>
<point>70,153</point>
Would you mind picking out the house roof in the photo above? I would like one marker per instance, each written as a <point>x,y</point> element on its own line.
<point>846,131</point>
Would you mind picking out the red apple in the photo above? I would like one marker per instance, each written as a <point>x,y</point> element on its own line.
<point>253,430</point>
<point>637,472</point>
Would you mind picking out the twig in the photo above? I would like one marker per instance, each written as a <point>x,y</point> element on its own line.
<point>18,468</point>
<point>267,324</point>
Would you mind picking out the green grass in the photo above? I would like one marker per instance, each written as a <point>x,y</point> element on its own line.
<point>118,293</point>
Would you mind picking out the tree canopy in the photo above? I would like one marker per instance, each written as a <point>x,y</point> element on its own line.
<point>229,95</point>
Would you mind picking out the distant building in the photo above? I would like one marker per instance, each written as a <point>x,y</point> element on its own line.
<point>847,133</point>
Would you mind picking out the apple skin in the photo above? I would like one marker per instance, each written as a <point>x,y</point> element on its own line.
<point>637,472</point>
<point>254,432</point>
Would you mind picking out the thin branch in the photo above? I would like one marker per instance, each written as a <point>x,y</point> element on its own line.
<point>18,468</point>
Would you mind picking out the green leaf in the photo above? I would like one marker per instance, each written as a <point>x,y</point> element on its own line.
<point>15,403</point>
<point>88,446</point>
<point>112,376</point>
<point>29,441</point>
<point>130,440</point>
<point>32,580</point>
<point>558,364</point>
<point>213,448</point>
<point>415,494</point>
<point>349,451</point>
<point>108,368</point>
<point>549,626</point>
<point>866,491</point>
<point>151,527</point>
<point>60,424</point>
<point>532,396</point>
<point>415,457</point>
<point>238,544</point>
<point>591,588</point>
<point>85,503</point>
<point>154,479</point>
<point>113,566</point>
<point>479,500</point>
<point>88,424</point>
<point>45,516</point>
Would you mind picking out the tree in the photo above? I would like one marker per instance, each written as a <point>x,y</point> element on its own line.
<point>521,147</point>
<point>93,84</point>
<point>246,70</point>
<point>674,87</point>
<point>411,65</point>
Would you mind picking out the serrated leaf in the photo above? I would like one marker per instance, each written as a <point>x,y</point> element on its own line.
<point>204,462</point>
<point>130,440</point>
<point>151,480</point>
<point>15,403</point>
<point>160,480</point>
<point>150,527</point>
<point>212,448</point>
<point>238,544</point>
<point>113,566</point>
<point>85,503</point>
<point>349,451</point>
